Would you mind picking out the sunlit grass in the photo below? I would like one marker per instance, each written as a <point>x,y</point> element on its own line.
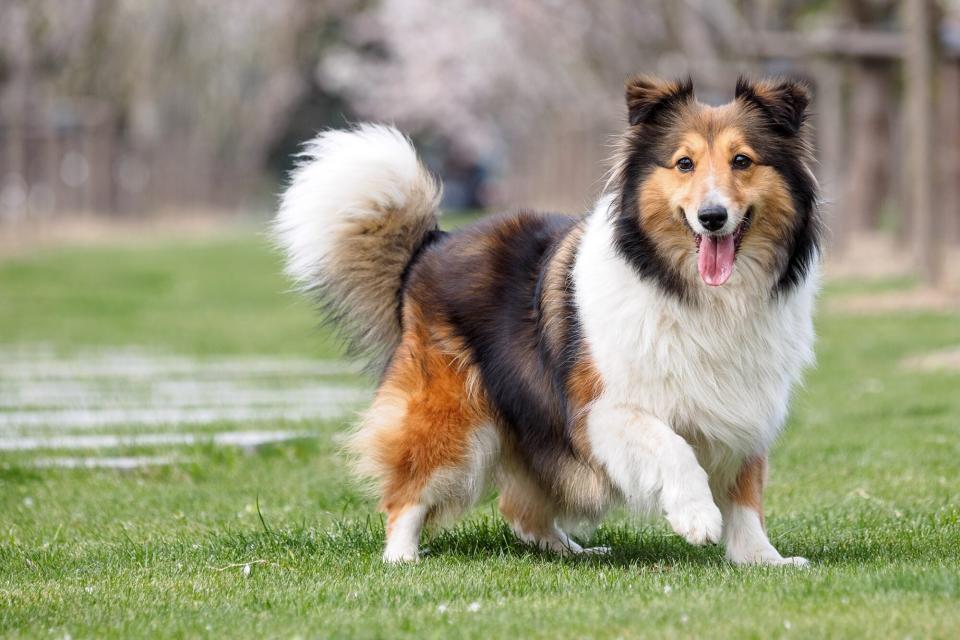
<point>864,482</point>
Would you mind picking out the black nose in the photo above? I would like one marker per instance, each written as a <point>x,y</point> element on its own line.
<point>712,218</point>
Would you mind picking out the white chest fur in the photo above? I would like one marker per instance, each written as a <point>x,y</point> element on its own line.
<point>720,371</point>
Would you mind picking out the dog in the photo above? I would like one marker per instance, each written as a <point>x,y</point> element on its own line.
<point>641,355</point>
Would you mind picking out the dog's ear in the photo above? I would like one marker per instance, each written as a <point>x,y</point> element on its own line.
<point>649,98</point>
<point>784,103</point>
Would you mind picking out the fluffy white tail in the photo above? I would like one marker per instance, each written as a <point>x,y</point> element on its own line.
<point>357,208</point>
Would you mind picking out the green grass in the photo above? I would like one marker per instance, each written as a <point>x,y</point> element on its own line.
<point>864,482</point>
<point>199,297</point>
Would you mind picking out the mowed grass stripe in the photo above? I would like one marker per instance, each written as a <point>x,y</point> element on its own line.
<point>78,419</point>
<point>44,406</point>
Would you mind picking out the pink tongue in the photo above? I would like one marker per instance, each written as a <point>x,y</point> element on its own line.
<point>715,261</point>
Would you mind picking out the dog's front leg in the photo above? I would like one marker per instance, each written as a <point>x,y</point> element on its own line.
<point>744,534</point>
<point>646,459</point>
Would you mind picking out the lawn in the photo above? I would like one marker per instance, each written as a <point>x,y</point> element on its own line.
<point>274,540</point>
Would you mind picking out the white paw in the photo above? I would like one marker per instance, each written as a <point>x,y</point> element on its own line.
<point>697,521</point>
<point>761,559</point>
<point>394,555</point>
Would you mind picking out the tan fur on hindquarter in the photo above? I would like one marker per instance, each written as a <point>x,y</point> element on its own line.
<point>422,422</point>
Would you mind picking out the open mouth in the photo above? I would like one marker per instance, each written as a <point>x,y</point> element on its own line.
<point>716,254</point>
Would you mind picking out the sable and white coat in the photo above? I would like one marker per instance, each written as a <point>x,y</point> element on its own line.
<point>643,354</point>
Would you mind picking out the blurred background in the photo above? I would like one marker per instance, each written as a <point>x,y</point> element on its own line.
<point>131,114</point>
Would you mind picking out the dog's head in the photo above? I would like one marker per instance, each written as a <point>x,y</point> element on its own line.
<point>706,192</point>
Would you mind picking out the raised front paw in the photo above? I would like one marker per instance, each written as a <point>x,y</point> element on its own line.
<point>697,521</point>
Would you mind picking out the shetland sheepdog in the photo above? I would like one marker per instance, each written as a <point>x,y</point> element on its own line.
<point>642,354</point>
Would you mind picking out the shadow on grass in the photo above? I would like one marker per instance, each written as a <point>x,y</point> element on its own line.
<point>480,539</point>
<point>486,537</point>
<point>477,540</point>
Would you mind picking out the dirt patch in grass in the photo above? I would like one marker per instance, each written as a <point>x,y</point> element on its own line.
<point>920,299</point>
<point>99,230</point>
<point>880,256</point>
<point>945,360</point>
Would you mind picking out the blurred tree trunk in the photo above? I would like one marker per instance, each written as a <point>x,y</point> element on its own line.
<point>830,129</point>
<point>919,70</point>
<point>950,122</point>
<point>871,159</point>
<point>15,99</point>
<point>871,146</point>
<point>696,42</point>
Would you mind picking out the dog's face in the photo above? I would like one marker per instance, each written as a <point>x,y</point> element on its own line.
<point>706,188</point>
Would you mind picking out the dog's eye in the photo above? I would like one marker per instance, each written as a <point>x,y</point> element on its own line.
<point>685,164</point>
<point>741,161</point>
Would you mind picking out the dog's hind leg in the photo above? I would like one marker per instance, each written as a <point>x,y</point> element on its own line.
<point>403,533</point>
<point>427,441</point>
<point>532,516</point>
<point>416,496</point>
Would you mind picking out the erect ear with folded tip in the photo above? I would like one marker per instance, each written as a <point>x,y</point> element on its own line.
<point>649,98</point>
<point>784,103</point>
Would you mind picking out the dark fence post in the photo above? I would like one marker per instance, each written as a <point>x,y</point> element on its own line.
<point>918,84</point>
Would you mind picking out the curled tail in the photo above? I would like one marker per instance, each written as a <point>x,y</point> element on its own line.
<point>357,209</point>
